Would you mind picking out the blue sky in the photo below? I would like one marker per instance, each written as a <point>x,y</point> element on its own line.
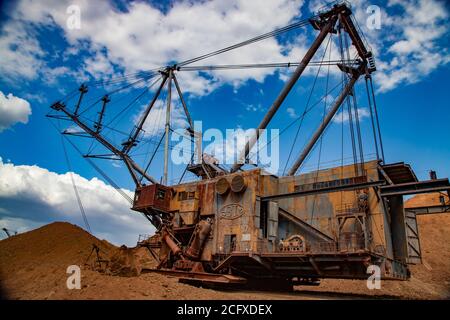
<point>42,60</point>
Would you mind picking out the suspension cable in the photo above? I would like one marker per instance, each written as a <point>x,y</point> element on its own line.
<point>264,65</point>
<point>306,107</point>
<point>270,34</point>
<point>347,100</point>
<point>321,141</point>
<point>75,189</point>
<point>376,116</point>
<point>355,109</point>
<point>297,119</point>
<point>372,118</point>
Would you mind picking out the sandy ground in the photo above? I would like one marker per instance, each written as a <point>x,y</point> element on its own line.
<point>33,266</point>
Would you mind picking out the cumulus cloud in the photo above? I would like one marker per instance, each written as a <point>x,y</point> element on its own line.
<point>291,113</point>
<point>408,45</point>
<point>343,117</point>
<point>25,203</point>
<point>20,52</point>
<point>13,110</point>
<point>143,37</point>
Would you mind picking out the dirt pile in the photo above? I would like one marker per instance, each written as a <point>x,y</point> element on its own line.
<point>33,266</point>
<point>427,199</point>
<point>128,262</point>
<point>33,262</point>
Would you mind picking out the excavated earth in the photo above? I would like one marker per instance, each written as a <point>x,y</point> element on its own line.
<point>33,266</point>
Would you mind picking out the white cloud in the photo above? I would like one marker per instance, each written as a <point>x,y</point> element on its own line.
<point>20,52</point>
<point>143,37</point>
<point>407,47</point>
<point>291,112</point>
<point>25,203</point>
<point>342,117</point>
<point>258,107</point>
<point>99,66</point>
<point>13,110</point>
<point>416,52</point>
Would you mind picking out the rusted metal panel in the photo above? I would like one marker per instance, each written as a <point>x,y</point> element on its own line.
<point>352,221</point>
<point>155,196</point>
<point>207,199</point>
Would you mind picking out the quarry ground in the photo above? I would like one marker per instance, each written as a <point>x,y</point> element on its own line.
<point>33,266</point>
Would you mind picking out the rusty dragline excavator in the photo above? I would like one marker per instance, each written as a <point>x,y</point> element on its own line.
<point>238,226</point>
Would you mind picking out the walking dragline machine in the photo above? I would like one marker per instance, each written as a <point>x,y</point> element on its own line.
<point>247,226</point>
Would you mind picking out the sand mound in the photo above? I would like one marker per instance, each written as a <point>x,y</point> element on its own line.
<point>58,243</point>
<point>33,266</point>
<point>128,262</point>
<point>36,260</point>
<point>427,199</point>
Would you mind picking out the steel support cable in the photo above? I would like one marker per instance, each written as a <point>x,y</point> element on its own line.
<point>306,107</point>
<point>355,108</point>
<point>290,83</point>
<point>93,145</point>
<point>344,81</point>
<point>298,118</point>
<point>100,171</point>
<point>158,121</point>
<point>152,132</point>
<point>146,155</point>
<point>136,75</point>
<point>264,65</point>
<point>125,80</point>
<point>103,174</point>
<point>372,119</point>
<point>146,89</point>
<point>110,93</point>
<point>70,95</point>
<point>270,34</point>
<point>316,178</point>
<point>153,155</point>
<point>376,116</point>
<point>155,143</point>
<point>97,99</point>
<point>358,132</point>
<point>75,189</point>
<point>106,126</point>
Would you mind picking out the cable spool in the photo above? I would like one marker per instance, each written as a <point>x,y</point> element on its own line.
<point>222,186</point>
<point>238,184</point>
